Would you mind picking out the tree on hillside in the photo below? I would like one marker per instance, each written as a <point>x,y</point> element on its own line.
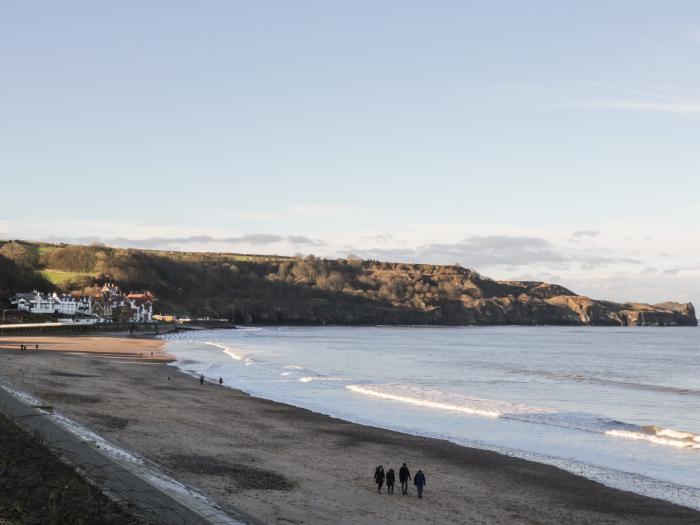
<point>24,257</point>
<point>74,258</point>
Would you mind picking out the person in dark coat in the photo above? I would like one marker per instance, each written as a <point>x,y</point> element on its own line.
<point>404,478</point>
<point>419,482</point>
<point>379,478</point>
<point>390,478</point>
<point>201,379</point>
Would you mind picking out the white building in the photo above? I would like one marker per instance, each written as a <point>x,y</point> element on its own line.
<point>40,303</point>
<point>141,305</point>
<point>109,305</point>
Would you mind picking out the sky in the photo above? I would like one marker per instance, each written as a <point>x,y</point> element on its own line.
<point>548,140</point>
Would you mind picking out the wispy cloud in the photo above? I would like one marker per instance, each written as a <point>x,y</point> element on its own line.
<point>507,251</point>
<point>682,108</point>
<point>254,239</point>
<point>585,233</point>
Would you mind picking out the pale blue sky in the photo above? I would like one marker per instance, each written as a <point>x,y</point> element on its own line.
<point>481,132</point>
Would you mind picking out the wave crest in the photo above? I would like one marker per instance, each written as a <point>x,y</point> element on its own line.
<point>434,399</point>
<point>231,353</point>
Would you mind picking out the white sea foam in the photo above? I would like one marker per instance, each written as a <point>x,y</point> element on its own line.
<point>309,379</point>
<point>232,353</point>
<point>434,399</point>
<point>653,438</point>
<point>425,399</point>
<point>675,434</point>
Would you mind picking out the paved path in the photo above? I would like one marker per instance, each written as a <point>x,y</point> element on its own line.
<point>154,496</point>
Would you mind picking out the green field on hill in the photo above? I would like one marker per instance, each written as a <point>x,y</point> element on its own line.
<point>61,278</point>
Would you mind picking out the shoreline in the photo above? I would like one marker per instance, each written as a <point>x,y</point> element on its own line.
<point>285,464</point>
<point>645,486</point>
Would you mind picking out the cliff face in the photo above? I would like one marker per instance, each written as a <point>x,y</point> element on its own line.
<point>451,295</point>
<point>567,310</point>
<point>267,289</point>
<point>473,300</point>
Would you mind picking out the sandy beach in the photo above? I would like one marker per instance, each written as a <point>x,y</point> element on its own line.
<point>286,465</point>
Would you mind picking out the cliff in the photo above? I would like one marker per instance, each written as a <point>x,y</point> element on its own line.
<point>265,289</point>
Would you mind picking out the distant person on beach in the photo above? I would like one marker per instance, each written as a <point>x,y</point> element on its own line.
<point>390,478</point>
<point>419,482</point>
<point>201,379</point>
<point>379,478</point>
<point>404,478</point>
<point>221,380</point>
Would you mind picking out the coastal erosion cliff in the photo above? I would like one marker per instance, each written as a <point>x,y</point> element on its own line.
<point>373,292</point>
<point>565,309</point>
<point>312,290</point>
<point>471,299</point>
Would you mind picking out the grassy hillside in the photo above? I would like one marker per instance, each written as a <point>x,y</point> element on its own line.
<point>259,289</point>
<point>64,279</point>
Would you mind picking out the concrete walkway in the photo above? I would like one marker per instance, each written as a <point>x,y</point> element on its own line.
<point>151,495</point>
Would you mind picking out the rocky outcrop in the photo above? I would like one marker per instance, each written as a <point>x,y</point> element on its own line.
<point>537,303</point>
<point>570,309</point>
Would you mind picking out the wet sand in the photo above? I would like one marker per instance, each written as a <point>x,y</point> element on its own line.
<point>286,465</point>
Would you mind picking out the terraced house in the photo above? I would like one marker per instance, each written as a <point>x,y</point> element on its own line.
<point>64,304</point>
<point>110,304</point>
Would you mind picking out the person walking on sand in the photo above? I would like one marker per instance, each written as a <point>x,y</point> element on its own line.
<point>221,381</point>
<point>201,379</point>
<point>404,478</point>
<point>419,482</point>
<point>379,478</point>
<point>390,478</point>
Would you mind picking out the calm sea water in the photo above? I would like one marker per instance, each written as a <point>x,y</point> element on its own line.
<point>618,405</point>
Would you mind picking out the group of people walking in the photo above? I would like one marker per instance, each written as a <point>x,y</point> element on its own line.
<point>201,380</point>
<point>404,478</point>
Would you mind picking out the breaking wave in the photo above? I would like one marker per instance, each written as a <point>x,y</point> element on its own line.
<point>231,353</point>
<point>438,400</point>
<point>309,379</point>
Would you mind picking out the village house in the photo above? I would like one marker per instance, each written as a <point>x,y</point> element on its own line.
<point>110,304</point>
<point>141,305</point>
<point>40,303</point>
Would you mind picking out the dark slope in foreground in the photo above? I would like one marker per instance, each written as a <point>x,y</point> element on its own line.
<point>35,487</point>
<point>263,289</point>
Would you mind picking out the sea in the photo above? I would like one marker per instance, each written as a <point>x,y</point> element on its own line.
<point>618,405</point>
